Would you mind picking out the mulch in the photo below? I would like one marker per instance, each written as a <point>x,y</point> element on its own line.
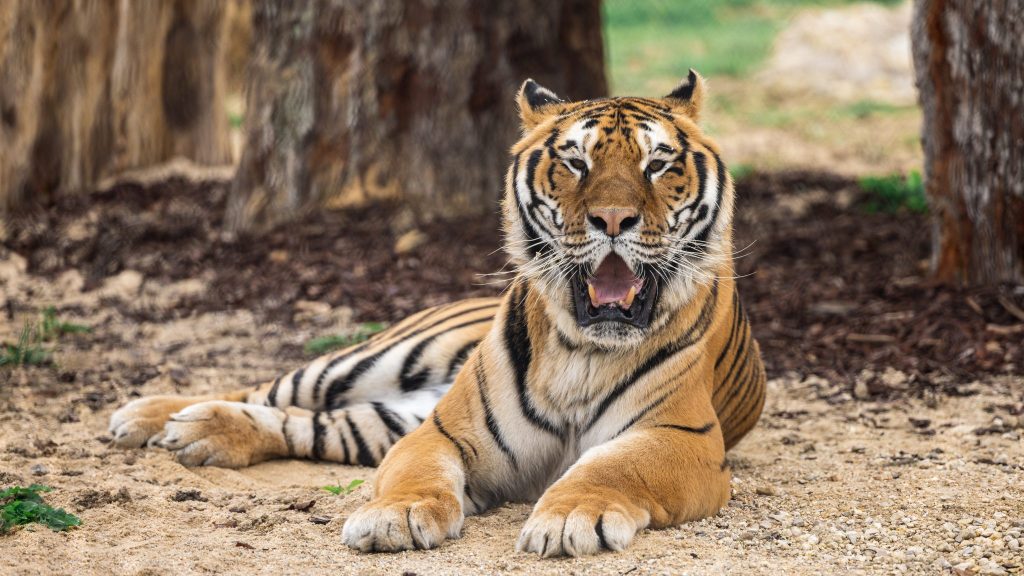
<point>832,289</point>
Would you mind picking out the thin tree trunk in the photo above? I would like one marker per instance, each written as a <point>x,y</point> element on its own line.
<point>969,61</point>
<point>91,88</point>
<point>356,100</point>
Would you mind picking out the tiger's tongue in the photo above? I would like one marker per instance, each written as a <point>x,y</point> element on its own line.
<point>613,283</point>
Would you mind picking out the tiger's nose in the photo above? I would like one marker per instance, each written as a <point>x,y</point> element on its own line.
<point>613,221</point>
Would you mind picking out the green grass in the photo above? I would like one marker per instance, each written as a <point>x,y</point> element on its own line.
<point>20,506</point>
<point>650,45</point>
<point>895,193</point>
<point>27,351</point>
<point>339,490</point>
<point>31,348</point>
<point>324,344</point>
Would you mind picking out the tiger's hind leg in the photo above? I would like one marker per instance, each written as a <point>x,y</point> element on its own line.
<point>236,434</point>
<point>423,352</point>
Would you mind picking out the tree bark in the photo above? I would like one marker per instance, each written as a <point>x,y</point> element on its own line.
<point>91,88</point>
<point>357,100</point>
<point>969,62</point>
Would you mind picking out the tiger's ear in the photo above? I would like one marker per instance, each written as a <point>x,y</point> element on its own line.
<point>537,103</point>
<point>688,97</point>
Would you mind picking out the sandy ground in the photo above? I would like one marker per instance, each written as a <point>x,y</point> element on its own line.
<point>915,486</point>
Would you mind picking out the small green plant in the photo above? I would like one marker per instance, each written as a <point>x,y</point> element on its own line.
<point>29,349</point>
<point>340,490</point>
<point>19,506</point>
<point>52,327</point>
<point>325,344</point>
<point>895,193</point>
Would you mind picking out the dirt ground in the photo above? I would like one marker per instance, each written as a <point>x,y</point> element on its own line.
<point>915,485</point>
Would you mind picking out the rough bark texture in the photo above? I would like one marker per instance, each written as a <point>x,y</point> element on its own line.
<point>90,88</point>
<point>969,61</point>
<point>355,100</point>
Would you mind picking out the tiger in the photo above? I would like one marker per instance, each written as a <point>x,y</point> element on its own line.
<point>605,385</point>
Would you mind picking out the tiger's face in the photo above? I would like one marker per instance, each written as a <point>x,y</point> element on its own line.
<point>617,209</point>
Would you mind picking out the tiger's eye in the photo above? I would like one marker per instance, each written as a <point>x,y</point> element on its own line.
<point>655,166</point>
<point>578,164</point>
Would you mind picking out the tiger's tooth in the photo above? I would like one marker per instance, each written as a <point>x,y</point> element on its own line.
<point>593,294</point>
<point>629,297</point>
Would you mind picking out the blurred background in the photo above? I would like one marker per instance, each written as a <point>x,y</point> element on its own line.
<point>329,167</point>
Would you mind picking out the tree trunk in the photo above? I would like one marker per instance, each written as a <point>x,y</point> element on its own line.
<point>356,100</point>
<point>969,62</point>
<point>91,88</point>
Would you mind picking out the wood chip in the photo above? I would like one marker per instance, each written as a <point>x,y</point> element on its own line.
<point>1005,330</point>
<point>1012,308</point>
<point>871,338</point>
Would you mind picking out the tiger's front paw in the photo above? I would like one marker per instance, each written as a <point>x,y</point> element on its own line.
<point>581,522</point>
<point>394,523</point>
<point>141,422</point>
<point>225,434</point>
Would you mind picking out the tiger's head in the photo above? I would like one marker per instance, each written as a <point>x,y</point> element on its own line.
<point>616,209</point>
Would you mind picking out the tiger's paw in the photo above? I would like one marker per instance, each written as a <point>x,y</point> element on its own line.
<point>140,423</point>
<point>225,434</point>
<point>581,523</point>
<point>395,523</point>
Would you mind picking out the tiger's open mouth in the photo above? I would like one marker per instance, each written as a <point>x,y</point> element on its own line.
<point>613,294</point>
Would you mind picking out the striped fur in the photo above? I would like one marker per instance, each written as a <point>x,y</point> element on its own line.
<point>614,427</point>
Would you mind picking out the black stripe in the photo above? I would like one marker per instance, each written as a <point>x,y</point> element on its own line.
<point>318,437</point>
<point>296,380</point>
<point>339,386</point>
<point>736,358</point>
<point>564,341</point>
<point>732,331</point>
<point>692,335</point>
<point>661,399</point>
<point>702,430</point>
<point>517,345</point>
<point>460,358</point>
<point>440,428</point>
<point>319,384</point>
<point>758,396</point>
<point>410,381</point>
<point>341,438</point>
<point>389,418</point>
<point>599,528</point>
<point>743,381</point>
<point>492,424</point>
<point>272,395</point>
<point>702,237</point>
<point>287,438</point>
<point>364,456</point>
<point>732,383</point>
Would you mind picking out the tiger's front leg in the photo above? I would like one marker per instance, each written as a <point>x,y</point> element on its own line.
<point>417,501</point>
<point>668,472</point>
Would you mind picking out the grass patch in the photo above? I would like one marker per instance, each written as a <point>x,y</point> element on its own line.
<point>868,108</point>
<point>27,351</point>
<point>20,506</point>
<point>339,490</point>
<point>895,193</point>
<point>31,348</point>
<point>325,344</point>
<point>650,45</point>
